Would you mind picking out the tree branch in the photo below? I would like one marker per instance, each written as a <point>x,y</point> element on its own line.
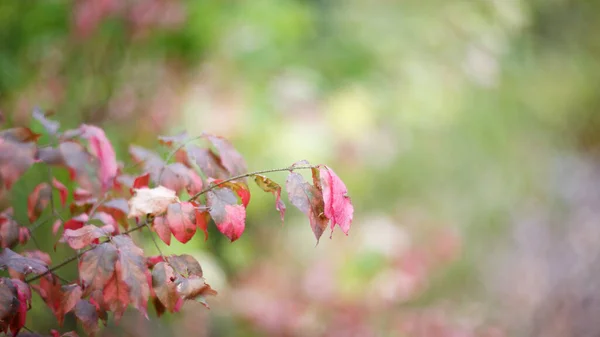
<point>78,255</point>
<point>249,174</point>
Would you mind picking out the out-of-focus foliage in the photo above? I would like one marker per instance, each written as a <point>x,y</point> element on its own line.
<point>467,133</point>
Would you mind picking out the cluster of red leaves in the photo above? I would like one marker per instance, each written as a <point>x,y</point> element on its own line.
<point>113,271</point>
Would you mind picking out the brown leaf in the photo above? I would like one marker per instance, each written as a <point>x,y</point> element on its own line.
<point>163,282</point>
<point>269,185</point>
<point>185,265</point>
<point>71,294</point>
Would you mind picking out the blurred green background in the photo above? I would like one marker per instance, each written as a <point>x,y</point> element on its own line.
<point>467,133</point>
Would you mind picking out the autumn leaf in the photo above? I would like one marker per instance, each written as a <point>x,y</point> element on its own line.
<point>63,192</point>
<point>50,291</point>
<point>86,313</point>
<point>84,236</point>
<point>20,264</point>
<point>82,165</point>
<point>118,208</point>
<point>269,185</point>
<point>338,206</point>
<point>16,156</point>
<point>9,303</point>
<point>181,218</point>
<point>24,297</point>
<point>101,148</point>
<point>209,163</point>
<point>177,177</point>
<point>116,293</point>
<point>9,230</point>
<point>239,187</point>
<point>308,199</point>
<point>38,200</point>
<point>186,265</point>
<point>230,157</point>
<point>152,201</point>
<point>152,163</point>
<point>161,227</point>
<point>177,139</point>
<point>163,278</point>
<point>194,288</point>
<point>133,271</point>
<point>38,255</point>
<point>140,182</point>
<point>71,294</point>
<point>228,215</point>
<point>202,218</point>
<point>96,267</point>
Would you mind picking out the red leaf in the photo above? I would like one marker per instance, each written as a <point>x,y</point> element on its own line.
<point>96,267</point>
<point>9,303</point>
<point>87,314</point>
<point>161,227</point>
<point>116,294</point>
<point>82,164</point>
<point>117,208</point>
<point>24,297</point>
<point>133,271</point>
<point>71,294</point>
<point>151,261</point>
<point>20,264</point>
<point>141,181</point>
<point>231,159</point>
<point>38,200</point>
<point>308,199</point>
<point>227,214</point>
<point>338,206</point>
<point>181,218</point>
<point>202,222</point>
<point>62,191</point>
<point>85,235</point>
<point>103,150</point>
<point>50,291</point>
<point>76,222</point>
<point>269,185</point>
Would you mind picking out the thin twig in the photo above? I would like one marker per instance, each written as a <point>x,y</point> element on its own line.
<point>249,174</point>
<point>154,240</point>
<point>78,255</point>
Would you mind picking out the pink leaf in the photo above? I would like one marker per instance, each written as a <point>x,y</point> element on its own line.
<point>85,235</point>
<point>338,206</point>
<point>62,191</point>
<point>227,214</point>
<point>230,157</point>
<point>182,221</point>
<point>202,222</point>
<point>103,150</point>
<point>161,227</point>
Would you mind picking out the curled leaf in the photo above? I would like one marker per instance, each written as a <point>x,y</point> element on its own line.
<point>269,185</point>
<point>338,206</point>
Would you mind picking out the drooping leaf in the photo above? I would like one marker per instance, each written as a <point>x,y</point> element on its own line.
<point>228,215</point>
<point>24,297</point>
<point>232,160</point>
<point>9,303</point>
<point>103,150</point>
<point>308,199</point>
<point>163,283</point>
<point>181,218</point>
<point>133,271</point>
<point>50,125</point>
<point>161,227</point>
<point>186,265</point>
<point>116,293</point>
<point>71,294</point>
<point>269,185</point>
<point>82,165</point>
<point>38,200</point>
<point>202,218</point>
<point>97,266</point>
<point>85,235</point>
<point>152,201</point>
<point>194,288</point>
<point>50,291</point>
<point>338,206</point>
<point>86,313</point>
<point>21,264</point>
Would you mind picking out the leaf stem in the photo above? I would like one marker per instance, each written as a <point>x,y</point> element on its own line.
<point>249,174</point>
